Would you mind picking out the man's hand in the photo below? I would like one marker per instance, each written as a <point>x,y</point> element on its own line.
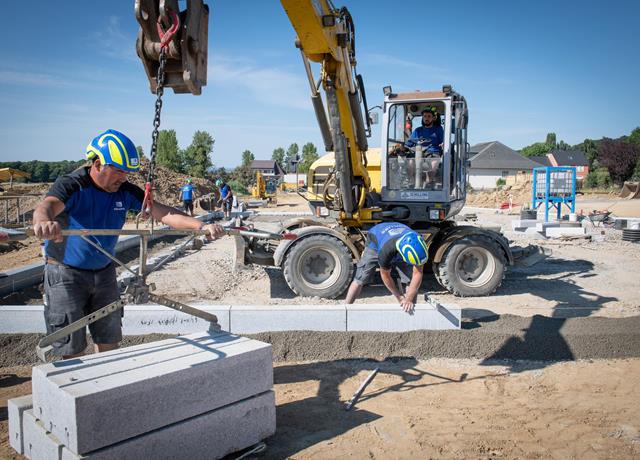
<point>407,305</point>
<point>48,230</point>
<point>214,231</point>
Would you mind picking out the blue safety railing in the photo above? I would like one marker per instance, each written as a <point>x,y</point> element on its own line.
<point>554,186</point>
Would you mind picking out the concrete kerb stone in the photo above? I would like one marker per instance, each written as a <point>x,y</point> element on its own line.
<point>99,400</point>
<point>152,318</point>
<point>16,408</point>
<point>211,435</point>
<point>391,318</point>
<point>247,319</point>
<point>39,444</point>
<point>557,232</point>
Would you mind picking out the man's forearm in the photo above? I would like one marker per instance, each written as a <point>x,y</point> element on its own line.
<point>414,286</point>
<point>175,218</point>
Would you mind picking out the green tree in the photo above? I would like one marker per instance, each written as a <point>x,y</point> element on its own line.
<point>140,151</point>
<point>197,157</point>
<point>536,149</point>
<point>247,158</point>
<point>634,137</point>
<point>551,140</point>
<point>590,149</point>
<point>41,172</point>
<point>309,155</point>
<point>291,158</point>
<point>278,156</point>
<point>562,145</point>
<point>243,175</point>
<point>222,174</point>
<point>168,154</point>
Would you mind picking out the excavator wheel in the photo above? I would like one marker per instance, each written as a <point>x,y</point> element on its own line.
<point>472,267</point>
<point>318,265</point>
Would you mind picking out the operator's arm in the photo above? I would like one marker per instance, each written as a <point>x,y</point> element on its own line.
<point>44,225</point>
<point>412,290</point>
<point>385,274</point>
<point>180,195</point>
<point>177,219</point>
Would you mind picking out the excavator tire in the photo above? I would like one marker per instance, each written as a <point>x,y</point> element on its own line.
<point>318,265</point>
<point>472,267</point>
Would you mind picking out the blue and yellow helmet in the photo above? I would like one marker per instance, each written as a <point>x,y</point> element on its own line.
<point>413,249</point>
<point>115,149</point>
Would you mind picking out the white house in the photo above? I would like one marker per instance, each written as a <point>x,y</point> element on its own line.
<point>490,161</point>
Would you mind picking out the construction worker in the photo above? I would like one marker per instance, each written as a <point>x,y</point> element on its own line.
<point>391,244</point>
<point>186,196</point>
<point>430,136</point>
<point>226,197</point>
<point>78,278</point>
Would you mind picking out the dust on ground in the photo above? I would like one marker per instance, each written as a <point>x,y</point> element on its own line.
<point>439,408</point>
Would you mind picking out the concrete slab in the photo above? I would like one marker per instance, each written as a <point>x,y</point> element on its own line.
<point>152,319</point>
<point>523,223</point>
<point>208,436</point>
<point>99,400</point>
<point>39,444</point>
<point>138,319</point>
<point>247,319</point>
<point>391,318</point>
<point>557,232</point>
<point>16,408</point>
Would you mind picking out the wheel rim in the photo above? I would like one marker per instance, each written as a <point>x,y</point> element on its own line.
<point>475,266</point>
<point>319,268</point>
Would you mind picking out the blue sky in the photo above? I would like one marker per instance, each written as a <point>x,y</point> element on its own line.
<point>69,71</point>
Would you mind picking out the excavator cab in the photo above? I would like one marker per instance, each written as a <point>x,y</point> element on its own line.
<point>423,168</point>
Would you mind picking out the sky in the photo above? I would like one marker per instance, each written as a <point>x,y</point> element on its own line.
<point>70,71</point>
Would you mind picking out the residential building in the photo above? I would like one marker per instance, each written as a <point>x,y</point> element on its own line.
<point>490,161</point>
<point>267,168</point>
<point>570,158</point>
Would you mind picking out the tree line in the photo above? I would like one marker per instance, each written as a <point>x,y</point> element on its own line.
<point>611,161</point>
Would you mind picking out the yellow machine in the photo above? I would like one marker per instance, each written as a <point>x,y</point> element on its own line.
<point>266,188</point>
<point>355,187</point>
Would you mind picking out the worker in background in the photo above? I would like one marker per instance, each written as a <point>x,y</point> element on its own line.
<point>430,135</point>
<point>79,279</point>
<point>391,244</point>
<point>226,197</point>
<point>186,196</point>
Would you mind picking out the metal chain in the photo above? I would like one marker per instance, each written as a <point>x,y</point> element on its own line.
<point>156,118</point>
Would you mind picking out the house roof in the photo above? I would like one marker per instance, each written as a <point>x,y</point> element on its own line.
<point>570,157</point>
<point>267,164</point>
<point>496,155</point>
<point>542,159</point>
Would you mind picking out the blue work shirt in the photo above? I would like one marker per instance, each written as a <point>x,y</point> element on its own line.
<point>382,239</point>
<point>433,137</point>
<point>187,192</point>
<point>225,191</point>
<point>87,206</point>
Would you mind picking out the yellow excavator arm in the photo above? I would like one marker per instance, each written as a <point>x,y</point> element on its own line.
<point>326,35</point>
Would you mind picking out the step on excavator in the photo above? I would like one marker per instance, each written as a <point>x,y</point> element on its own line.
<point>354,187</point>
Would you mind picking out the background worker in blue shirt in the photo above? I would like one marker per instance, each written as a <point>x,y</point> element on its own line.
<point>226,197</point>
<point>391,244</point>
<point>186,196</point>
<point>79,279</point>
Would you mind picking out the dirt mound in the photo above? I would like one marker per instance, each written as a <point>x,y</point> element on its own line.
<point>167,183</point>
<point>520,194</point>
<point>20,200</point>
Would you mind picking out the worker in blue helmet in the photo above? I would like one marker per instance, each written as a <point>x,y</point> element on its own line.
<point>389,245</point>
<point>78,278</point>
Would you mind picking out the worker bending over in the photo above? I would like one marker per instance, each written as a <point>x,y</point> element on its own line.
<point>391,244</point>
<point>79,279</point>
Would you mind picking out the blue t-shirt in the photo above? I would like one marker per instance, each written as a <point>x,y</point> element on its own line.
<point>432,138</point>
<point>225,191</point>
<point>382,239</point>
<point>87,206</point>
<point>187,192</point>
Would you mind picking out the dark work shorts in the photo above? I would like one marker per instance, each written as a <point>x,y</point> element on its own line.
<point>188,205</point>
<point>70,294</point>
<point>369,263</point>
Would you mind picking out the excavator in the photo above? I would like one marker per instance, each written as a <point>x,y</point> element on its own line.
<point>409,185</point>
<point>266,188</point>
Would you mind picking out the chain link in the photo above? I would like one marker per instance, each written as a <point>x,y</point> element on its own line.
<point>156,118</point>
